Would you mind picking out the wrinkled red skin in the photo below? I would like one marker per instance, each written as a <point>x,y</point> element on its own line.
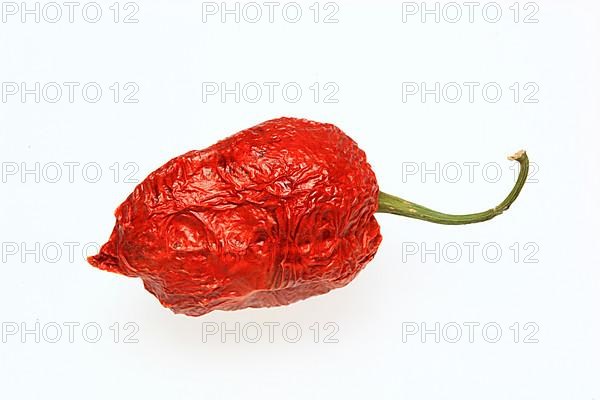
<point>269,216</point>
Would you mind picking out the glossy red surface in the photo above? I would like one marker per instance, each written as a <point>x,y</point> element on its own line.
<point>269,216</point>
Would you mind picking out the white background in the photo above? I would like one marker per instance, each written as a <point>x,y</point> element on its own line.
<point>367,54</point>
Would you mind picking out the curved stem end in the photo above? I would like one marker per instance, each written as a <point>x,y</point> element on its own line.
<point>396,205</point>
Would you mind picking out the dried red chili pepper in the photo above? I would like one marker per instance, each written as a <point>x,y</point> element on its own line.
<point>269,216</point>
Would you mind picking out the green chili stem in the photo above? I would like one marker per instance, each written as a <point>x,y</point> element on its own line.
<point>395,205</point>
